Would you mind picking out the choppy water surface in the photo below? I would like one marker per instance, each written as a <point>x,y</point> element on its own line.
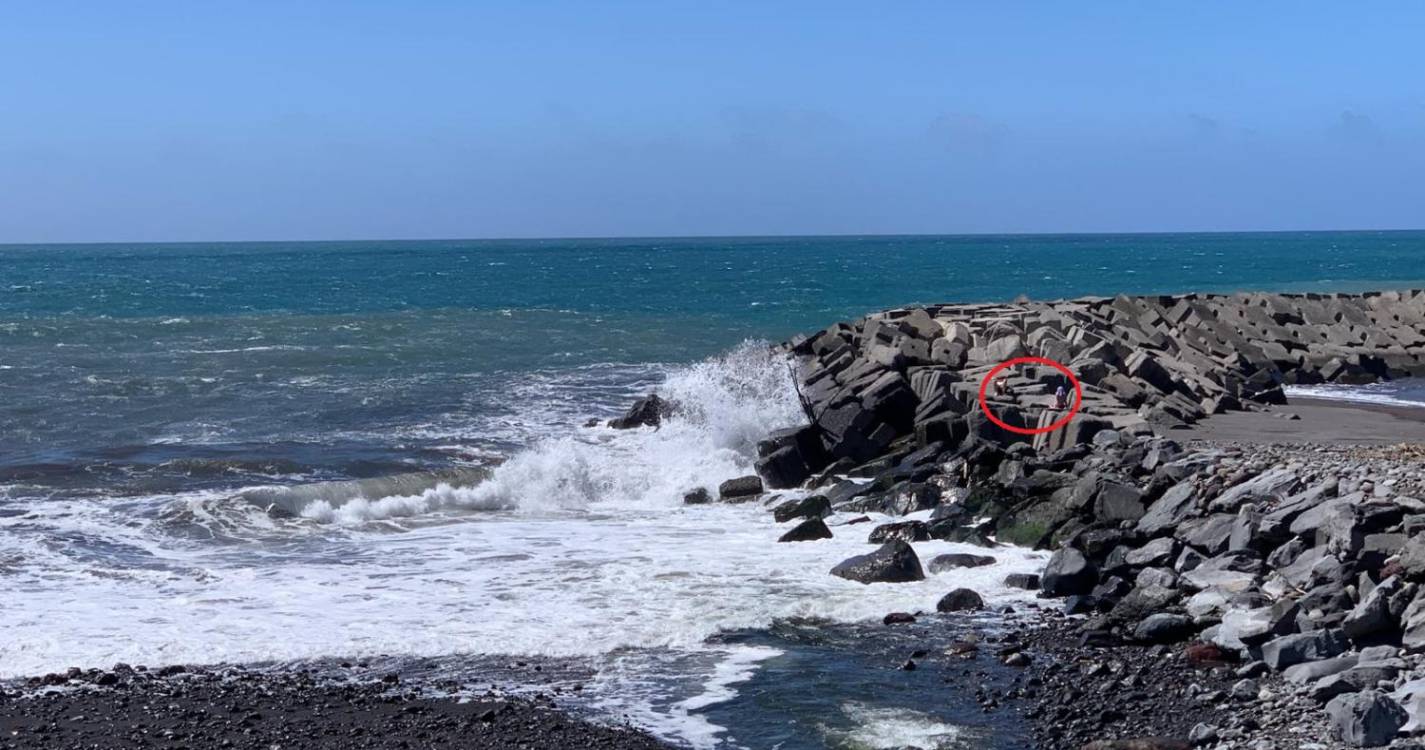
<point>290,452</point>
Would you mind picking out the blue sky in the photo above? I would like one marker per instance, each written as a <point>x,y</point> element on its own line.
<point>253,120</point>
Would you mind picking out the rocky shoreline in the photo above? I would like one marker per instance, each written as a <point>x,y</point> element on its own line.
<point>236,707</point>
<point>1201,593</point>
<point>1247,595</point>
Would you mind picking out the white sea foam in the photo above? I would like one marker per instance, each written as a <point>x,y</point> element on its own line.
<point>1392,394</point>
<point>589,553</point>
<point>886,728</point>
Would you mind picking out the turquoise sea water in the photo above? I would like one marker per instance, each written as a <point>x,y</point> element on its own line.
<point>149,392</point>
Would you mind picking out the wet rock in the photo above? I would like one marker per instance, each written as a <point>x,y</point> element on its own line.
<point>809,530</point>
<point>1026,581</point>
<point>645,412</point>
<point>740,489</point>
<point>951,561</point>
<point>905,531</point>
<point>898,618</point>
<point>894,562</point>
<point>699,496</point>
<point>813,506</point>
<point>960,600</point>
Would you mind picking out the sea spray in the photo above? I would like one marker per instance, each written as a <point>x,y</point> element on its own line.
<point>722,406</point>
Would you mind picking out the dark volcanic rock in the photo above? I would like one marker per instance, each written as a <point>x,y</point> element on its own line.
<point>1365,719</point>
<point>699,496</point>
<point>1026,581</point>
<point>953,560</point>
<point>740,489</point>
<point>807,531</point>
<point>1068,572</point>
<point>905,531</point>
<point>960,600</point>
<point>647,411</point>
<point>894,562</point>
<point>814,506</point>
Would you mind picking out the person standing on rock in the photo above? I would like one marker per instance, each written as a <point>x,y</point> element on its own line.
<point>1061,398</point>
<point>1002,385</point>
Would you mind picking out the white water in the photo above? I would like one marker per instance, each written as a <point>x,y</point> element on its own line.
<point>1398,393</point>
<point>578,547</point>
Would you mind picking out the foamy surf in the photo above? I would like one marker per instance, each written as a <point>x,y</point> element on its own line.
<point>1410,393</point>
<point>578,547</point>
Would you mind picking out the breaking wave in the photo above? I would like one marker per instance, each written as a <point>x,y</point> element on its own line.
<point>722,407</point>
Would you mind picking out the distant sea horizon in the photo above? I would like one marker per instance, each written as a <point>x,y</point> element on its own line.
<point>646,237</point>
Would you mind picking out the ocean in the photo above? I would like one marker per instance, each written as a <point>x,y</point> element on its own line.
<point>287,453</point>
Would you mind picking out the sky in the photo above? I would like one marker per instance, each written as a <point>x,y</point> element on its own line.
<point>197,121</point>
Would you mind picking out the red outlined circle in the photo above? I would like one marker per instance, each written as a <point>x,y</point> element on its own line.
<point>1073,409</point>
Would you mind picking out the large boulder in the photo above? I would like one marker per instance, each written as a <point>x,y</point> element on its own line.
<point>1168,511</point>
<point>1068,572</point>
<point>894,562</point>
<point>807,531</point>
<point>740,489</point>
<point>1290,650</point>
<point>1365,719</point>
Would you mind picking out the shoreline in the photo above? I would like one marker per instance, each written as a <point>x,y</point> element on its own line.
<point>243,708</point>
<point>1182,548</point>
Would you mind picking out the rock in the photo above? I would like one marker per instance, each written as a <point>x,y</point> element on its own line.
<point>951,561</point>
<point>1312,671</point>
<point>1118,502</point>
<point>960,600</point>
<point>1068,572</point>
<point>1375,613</point>
<point>807,531</point>
<point>699,496</point>
<point>1365,719</point>
<point>1202,734</point>
<point>783,468</point>
<point>1290,650</point>
<point>1245,690</point>
<point>1026,581</point>
<point>647,411</point>
<point>814,506</point>
<point>1157,552</point>
<point>905,531</point>
<point>1163,627</point>
<point>740,489</point>
<point>1138,743</point>
<point>898,618</point>
<point>1017,659</point>
<point>894,562</point>
<point>1274,485</point>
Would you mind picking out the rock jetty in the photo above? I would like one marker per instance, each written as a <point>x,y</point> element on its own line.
<point>1301,567</point>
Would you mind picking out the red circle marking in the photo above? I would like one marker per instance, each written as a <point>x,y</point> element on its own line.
<point>1078,395</point>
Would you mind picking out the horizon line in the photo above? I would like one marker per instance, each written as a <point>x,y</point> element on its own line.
<point>782,236</point>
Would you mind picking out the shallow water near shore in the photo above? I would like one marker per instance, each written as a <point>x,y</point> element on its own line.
<point>292,453</point>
